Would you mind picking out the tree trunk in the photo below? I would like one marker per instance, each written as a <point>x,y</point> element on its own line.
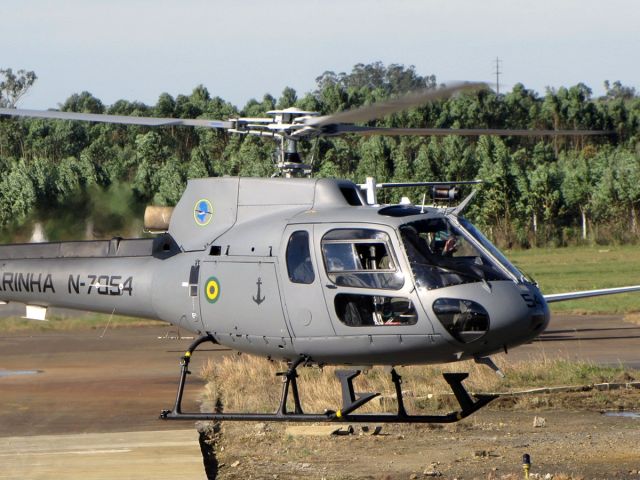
<point>535,223</point>
<point>584,224</point>
<point>38,235</point>
<point>634,222</point>
<point>88,230</point>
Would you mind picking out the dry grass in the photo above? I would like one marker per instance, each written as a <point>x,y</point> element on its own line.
<point>632,318</point>
<point>248,383</point>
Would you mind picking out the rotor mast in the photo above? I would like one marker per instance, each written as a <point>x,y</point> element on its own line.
<point>288,123</point>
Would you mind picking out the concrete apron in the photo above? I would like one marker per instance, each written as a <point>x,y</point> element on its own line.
<point>141,455</point>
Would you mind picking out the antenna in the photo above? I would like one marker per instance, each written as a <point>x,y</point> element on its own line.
<point>498,72</point>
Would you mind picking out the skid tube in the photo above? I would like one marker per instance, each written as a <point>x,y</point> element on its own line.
<point>351,400</point>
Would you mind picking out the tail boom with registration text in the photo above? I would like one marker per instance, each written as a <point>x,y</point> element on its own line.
<point>124,277</point>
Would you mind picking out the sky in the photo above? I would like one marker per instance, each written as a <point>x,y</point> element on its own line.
<point>138,49</point>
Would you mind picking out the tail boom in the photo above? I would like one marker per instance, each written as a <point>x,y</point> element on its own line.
<point>117,285</point>
<point>112,276</point>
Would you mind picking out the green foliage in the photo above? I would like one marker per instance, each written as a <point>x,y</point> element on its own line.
<point>496,206</point>
<point>288,98</point>
<point>84,103</point>
<point>17,193</point>
<point>537,191</point>
<point>169,183</point>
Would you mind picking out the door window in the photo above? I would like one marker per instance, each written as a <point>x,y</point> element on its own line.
<point>299,264</point>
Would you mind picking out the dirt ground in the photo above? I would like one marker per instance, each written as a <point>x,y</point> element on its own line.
<point>88,384</point>
<point>490,444</point>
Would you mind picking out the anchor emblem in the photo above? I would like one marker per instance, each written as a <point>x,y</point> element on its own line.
<point>258,299</point>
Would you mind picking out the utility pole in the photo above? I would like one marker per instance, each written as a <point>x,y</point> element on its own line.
<point>498,72</point>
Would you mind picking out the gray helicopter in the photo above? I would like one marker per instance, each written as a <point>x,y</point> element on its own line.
<point>310,271</point>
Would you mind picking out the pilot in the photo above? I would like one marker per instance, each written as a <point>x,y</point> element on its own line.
<point>417,241</point>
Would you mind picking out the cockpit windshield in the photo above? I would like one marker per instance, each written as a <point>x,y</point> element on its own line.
<point>484,241</point>
<point>442,254</point>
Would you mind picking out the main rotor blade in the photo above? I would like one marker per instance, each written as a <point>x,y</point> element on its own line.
<point>382,109</point>
<point>116,119</point>
<point>561,297</point>
<point>468,132</point>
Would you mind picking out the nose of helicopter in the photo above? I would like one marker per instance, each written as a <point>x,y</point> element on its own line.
<point>487,318</point>
<point>526,317</point>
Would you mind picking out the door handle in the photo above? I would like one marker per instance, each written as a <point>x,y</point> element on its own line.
<point>331,286</point>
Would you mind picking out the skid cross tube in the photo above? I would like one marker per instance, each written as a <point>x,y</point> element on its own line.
<point>397,382</point>
<point>351,400</point>
<point>290,382</point>
<point>184,371</point>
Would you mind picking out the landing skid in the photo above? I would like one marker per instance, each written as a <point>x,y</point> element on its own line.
<point>351,400</point>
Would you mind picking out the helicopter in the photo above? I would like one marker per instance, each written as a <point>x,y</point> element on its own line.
<point>312,271</point>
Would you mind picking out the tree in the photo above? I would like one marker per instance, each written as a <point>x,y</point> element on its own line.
<point>374,160</point>
<point>496,207</point>
<point>578,186</point>
<point>459,160</point>
<point>151,156</point>
<point>426,166</point>
<point>17,194</point>
<point>588,181</point>
<point>544,196</point>
<point>170,183</point>
<point>626,168</point>
<point>14,86</point>
<point>618,91</point>
<point>165,106</point>
<point>287,99</point>
<point>253,108</point>
<point>253,159</point>
<point>522,107</point>
<point>83,103</point>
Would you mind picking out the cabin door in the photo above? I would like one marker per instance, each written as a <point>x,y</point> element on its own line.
<point>364,282</point>
<point>301,284</point>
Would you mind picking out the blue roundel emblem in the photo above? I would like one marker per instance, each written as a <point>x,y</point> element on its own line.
<point>203,212</point>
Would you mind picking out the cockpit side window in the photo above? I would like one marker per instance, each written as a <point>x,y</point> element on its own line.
<point>361,258</point>
<point>299,264</point>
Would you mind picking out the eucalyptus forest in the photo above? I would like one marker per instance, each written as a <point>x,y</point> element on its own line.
<point>537,190</point>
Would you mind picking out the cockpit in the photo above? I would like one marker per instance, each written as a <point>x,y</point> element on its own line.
<point>368,272</point>
<point>442,253</point>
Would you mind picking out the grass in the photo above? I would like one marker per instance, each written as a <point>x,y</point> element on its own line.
<point>233,380</point>
<point>65,323</point>
<point>570,269</point>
